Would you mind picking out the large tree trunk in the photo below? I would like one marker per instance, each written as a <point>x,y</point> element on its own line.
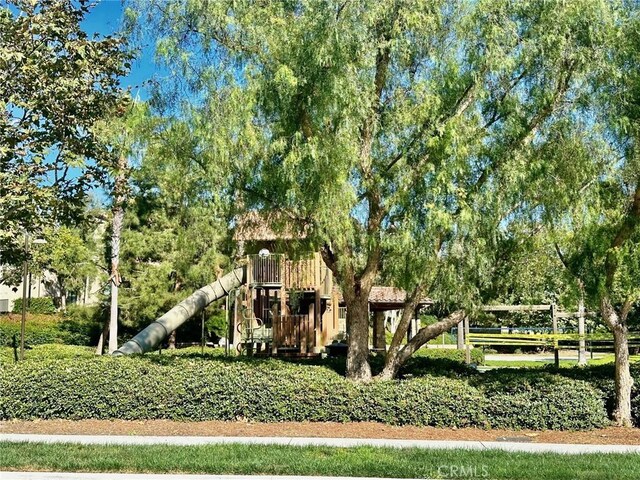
<point>172,341</point>
<point>119,198</point>
<point>63,299</point>
<point>358,368</point>
<point>103,335</point>
<point>396,356</point>
<point>624,381</point>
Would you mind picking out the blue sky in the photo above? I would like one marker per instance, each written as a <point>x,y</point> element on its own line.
<point>106,18</point>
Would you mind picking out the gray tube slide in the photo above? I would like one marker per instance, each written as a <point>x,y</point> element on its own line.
<point>149,338</point>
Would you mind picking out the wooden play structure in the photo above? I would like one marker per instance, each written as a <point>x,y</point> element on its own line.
<point>290,304</point>
<point>286,307</point>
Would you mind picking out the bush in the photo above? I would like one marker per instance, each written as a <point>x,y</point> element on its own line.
<point>43,306</point>
<point>39,329</point>
<point>540,400</point>
<point>184,388</point>
<point>48,352</point>
<point>79,326</point>
<point>477,356</point>
<point>82,325</point>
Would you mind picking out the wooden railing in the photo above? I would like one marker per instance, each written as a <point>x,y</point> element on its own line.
<point>307,274</point>
<point>266,270</point>
<point>294,331</point>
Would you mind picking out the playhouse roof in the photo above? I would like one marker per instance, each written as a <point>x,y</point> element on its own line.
<point>388,298</point>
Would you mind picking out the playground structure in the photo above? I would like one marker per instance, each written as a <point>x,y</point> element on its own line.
<point>285,307</point>
<point>276,306</point>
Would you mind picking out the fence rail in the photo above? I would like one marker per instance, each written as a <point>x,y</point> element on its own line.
<point>266,270</point>
<point>294,331</point>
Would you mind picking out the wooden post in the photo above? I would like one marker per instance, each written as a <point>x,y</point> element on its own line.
<point>304,328</point>
<point>554,323</point>
<point>379,339</point>
<point>460,332</point>
<point>279,319</point>
<point>202,339</point>
<point>582,351</point>
<point>317,317</point>
<point>467,356</point>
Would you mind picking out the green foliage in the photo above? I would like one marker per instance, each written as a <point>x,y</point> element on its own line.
<point>43,306</point>
<point>534,400</point>
<point>49,351</point>
<point>57,82</point>
<point>39,329</point>
<point>173,236</point>
<point>185,388</point>
<point>79,326</point>
<point>83,324</point>
<point>451,354</point>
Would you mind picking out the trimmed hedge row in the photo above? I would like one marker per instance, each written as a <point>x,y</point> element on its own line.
<point>39,330</point>
<point>176,388</point>
<point>78,326</point>
<point>42,305</point>
<point>477,356</point>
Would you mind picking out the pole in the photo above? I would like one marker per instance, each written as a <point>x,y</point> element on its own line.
<point>467,356</point>
<point>25,274</point>
<point>460,335</point>
<point>554,322</point>
<point>582,351</point>
<point>202,337</point>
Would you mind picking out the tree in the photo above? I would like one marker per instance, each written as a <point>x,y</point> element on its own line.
<point>398,133</point>
<point>56,82</point>
<point>126,138</point>
<point>70,256</point>
<point>173,233</point>
<point>599,238</point>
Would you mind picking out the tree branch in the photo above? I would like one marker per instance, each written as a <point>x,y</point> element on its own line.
<point>626,229</point>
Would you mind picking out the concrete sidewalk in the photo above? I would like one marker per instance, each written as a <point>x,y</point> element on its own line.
<point>168,476</point>
<point>328,442</point>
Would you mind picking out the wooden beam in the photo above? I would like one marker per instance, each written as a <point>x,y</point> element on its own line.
<point>317,319</point>
<point>460,332</point>
<point>516,308</point>
<point>467,356</point>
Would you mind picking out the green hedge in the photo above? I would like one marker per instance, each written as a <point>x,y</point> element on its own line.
<point>43,306</point>
<point>182,388</point>
<point>39,330</point>
<point>477,356</point>
<point>78,326</point>
<point>538,400</point>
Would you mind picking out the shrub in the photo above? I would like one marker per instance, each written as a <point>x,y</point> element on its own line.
<point>477,356</point>
<point>540,400</point>
<point>186,388</point>
<point>78,326</point>
<point>39,329</point>
<point>82,325</point>
<point>43,306</point>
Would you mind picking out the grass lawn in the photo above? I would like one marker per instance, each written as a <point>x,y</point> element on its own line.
<point>281,460</point>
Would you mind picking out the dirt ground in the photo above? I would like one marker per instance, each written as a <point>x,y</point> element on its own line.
<point>610,435</point>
